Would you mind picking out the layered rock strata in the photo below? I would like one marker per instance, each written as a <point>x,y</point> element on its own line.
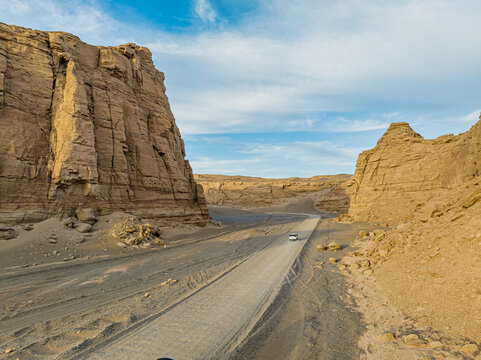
<point>394,180</point>
<point>254,192</point>
<point>87,126</point>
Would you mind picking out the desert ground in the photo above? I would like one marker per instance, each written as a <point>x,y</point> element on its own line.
<point>236,289</point>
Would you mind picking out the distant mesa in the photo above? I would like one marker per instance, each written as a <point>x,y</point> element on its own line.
<point>327,191</point>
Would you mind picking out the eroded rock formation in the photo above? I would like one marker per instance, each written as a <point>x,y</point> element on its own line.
<point>427,265</point>
<point>87,126</point>
<point>254,192</point>
<point>394,180</point>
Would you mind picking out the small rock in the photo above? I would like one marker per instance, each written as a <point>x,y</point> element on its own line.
<point>122,244</point>
<point>83,228</point>
<point>52,240</point>
<point>355,266</point>
<point>412,340</point>
<point>145,245</point>
<point>25,265</point>
<point>69,223</point>
<point>55,252</point>
<point>378,232</point>
<point>332,260</point>
<point>362,233</point>
<point>27,227</point>
<point>146,295</point>
<point>320,248</point>
<point>456,217</point>
<point>386,337</point>
<point>365,263</point>
<point>159,242</point>
<point>7,232</point>
<point>86,215</point>
<point>9,350</point>
<point>334,246</point>
<point>435,344</point>
<point>79,239</point>
<point>469,348</point>
<point>169,281</point>
<point>66,259</point>
<point>71,257</point>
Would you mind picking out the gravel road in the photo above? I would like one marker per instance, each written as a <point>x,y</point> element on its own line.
<point>60,310</point>
<point>210,323</point>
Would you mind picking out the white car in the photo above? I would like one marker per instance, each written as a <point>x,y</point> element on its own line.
<point>293,237</point>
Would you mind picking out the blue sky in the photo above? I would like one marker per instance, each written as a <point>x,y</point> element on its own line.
<point>291,88</point>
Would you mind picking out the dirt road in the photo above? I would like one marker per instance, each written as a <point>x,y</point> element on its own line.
<point>59,310</point>
<point>122,306</point>
<point>210,323</point>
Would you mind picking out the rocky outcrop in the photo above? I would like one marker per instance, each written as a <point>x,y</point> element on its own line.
<point>85,126</point>
<point>427,265</point>
<point>394,180</point>
<point>254,192</point>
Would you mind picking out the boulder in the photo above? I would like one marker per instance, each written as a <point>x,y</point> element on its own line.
<point>83,228</point>
<point>386,337</point>
<point>7,232</point>
<point>86,215</point>
<point>334,246</point>
<point>70,223</point>
<point>412,340</point>
<point>78,239</point>
<point>469,348</point>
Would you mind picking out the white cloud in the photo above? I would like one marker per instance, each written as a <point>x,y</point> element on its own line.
<point>291,60</point>
<point>471,118</point>
<point>204,11</point>
<point>296,158</point>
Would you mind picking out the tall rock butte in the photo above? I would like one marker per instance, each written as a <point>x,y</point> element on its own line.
<point>404,174</point>
<point>87,126</point>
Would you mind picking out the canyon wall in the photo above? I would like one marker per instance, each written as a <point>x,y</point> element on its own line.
<point>396,180</point>
<point>255,192</point>
<point>87,126</point>
<point>427,265</point>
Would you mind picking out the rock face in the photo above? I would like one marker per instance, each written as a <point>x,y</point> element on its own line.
<point>254,192</point>
<point>404,171</point>
<point>429,264</point>
<point>87,126</point>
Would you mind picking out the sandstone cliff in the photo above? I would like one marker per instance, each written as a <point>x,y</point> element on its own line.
<point>84,125</point>
<point>428,265</point>
<point>254,192</point>
<point>394,180</point>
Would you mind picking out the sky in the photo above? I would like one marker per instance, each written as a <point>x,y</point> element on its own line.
<point>290,87</point>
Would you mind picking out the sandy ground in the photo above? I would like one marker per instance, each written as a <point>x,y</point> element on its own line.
<point>57,309</point>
